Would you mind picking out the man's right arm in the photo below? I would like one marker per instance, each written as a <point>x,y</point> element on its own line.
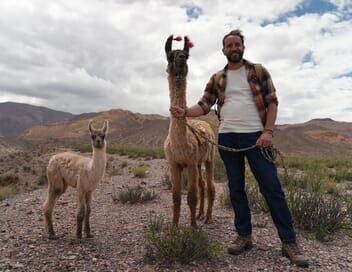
<point>193,111</point>
<point>202,107</point>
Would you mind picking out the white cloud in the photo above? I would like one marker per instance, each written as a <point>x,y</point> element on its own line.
<point>82,56</point>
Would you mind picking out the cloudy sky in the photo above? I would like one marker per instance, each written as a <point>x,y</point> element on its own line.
<point>95,55</point>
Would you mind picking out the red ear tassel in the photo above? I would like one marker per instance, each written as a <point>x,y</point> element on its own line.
<point>178,38</point>
<point>190,44</point>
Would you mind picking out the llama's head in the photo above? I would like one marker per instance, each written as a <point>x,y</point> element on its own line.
<point>177,59</point>
<point>98,136</point>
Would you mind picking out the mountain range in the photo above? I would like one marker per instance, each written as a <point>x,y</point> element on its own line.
<point>38,124</point>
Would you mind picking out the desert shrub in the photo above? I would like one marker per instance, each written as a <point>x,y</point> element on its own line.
<point>134,195</point>
<point>255,198</point>
<point>343,174</point>
<point>313,211</point>
<point>115,172</point>
<point>123,164</point>
<point>8,191</point>
<point>42,179</point>
<point>26,168</point>
<point>349,208</point>
<point>225,200</point>
<point>82,148</point>
<point>140,171</point>
<point>166,180</point>
<point>219,169</point>
<point>136,151</point>
<point>165,244</point>
<point>8,178</point>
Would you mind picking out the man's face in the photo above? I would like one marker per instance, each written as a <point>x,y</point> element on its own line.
<point>233,49</point>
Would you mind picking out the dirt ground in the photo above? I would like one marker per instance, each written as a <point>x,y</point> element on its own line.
<point>119,229</point>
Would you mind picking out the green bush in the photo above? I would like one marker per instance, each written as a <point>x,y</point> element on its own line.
<point>42,179</point>
<point>312,211</point>
<point>123,164</point>
<point>136,151</point>
<point>349,208</point>
<point>134,195</point>
<point>115,172</point>
<point>8,178</point>
<point>82,148</point>
<point>8,191</point>
<point>225,200</point>
<point>140,171</point>
<point>255,198</point>
<point>165,244</point>
<point>219,169</point>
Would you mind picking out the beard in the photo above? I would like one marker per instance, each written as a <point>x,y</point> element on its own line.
<point>235,57</point>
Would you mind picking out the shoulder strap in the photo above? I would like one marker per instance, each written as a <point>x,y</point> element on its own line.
<point>259,71</point>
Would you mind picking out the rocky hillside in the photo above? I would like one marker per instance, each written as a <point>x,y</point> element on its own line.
<point>16,117</point>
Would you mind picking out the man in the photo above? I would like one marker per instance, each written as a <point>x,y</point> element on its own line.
<point>247,108</point>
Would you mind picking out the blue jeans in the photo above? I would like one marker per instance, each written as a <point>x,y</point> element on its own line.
<point>265,173</point>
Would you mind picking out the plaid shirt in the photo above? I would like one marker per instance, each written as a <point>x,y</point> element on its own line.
<point>263,91</point>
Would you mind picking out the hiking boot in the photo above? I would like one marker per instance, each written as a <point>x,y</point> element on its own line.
<point>292,252</point>
<point>241,244</point>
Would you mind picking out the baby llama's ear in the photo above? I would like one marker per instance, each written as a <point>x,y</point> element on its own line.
<point>90,126</point>
<point>106,126</point>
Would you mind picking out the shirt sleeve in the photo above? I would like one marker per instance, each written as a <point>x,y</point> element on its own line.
<point>270,91</point>
<point>209,97</point>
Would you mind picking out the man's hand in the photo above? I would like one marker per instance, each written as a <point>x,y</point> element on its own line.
<point>265,140</point>
<point>177,111</point>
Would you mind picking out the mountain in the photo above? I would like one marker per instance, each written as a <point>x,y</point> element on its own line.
<point>16,117</point>
<point>124,127</point>
<point>315,137</point>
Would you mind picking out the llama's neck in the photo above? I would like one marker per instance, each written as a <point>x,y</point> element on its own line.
<point>97,169</point>
<point>177,130</point>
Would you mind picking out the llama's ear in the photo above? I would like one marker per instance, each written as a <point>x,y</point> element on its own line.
<point>90,126</point>
<point>168,44</point>
<point>105,126</point>
<point>186,47</point>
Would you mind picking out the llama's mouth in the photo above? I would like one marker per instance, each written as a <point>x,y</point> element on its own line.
<point>98,145</point>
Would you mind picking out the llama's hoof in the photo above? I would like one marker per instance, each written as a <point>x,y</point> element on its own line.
<point>53,237</point>
<point>208,221</point>
<point>194,225</point>
<point>89,235</point>
<point>200,216</point>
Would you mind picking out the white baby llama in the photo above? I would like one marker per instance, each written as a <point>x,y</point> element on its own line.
<point>70,169</point>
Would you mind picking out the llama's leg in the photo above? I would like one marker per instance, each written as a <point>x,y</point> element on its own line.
<point>81,212</point>
<point>86,218</point>
<point>176,181</point>
<point>55,190</point>
<point>210,189</point>
<point>192,192</point>
<point>201,183</point>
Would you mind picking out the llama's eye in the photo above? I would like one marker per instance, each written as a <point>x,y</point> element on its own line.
<point>93,137</point>
<point>102,136</point>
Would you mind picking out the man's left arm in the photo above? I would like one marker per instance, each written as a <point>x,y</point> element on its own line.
<point>266,139</point>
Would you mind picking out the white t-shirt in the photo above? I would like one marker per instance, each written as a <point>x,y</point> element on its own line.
<point>239,112</point>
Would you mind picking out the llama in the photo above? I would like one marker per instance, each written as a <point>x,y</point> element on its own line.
<point>69,169</point>
<point>183,149</point>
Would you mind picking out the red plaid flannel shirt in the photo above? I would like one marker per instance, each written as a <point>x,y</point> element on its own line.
<point>263,91</point>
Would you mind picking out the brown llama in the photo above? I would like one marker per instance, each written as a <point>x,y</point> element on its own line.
<point>70,169</point>
<point>183,149</point>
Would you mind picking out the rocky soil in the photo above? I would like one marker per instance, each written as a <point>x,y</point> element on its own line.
<point>119,229</point>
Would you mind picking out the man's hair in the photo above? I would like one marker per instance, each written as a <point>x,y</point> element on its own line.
<point>235,32</point>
